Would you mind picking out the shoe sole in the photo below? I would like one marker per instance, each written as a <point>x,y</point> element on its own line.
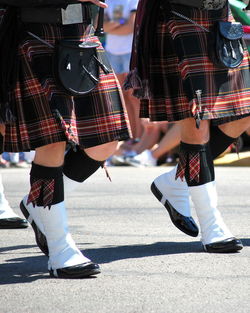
<point>38,234</point>
<point>15,226</point>
<point>156,192</point>
<point>229,249</point>
<point>86,274</point>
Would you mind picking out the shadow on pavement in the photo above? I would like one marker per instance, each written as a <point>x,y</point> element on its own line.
<point>23,269</point>
<point>28,269</point>
<point>20,247</point>
<point>113,253</point>
<point>31,268</point>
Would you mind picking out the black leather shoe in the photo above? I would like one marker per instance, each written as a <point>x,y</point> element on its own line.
<point>76,271</point>
<point>13,222</point>
<point>184,223</point>
<point>40,238</point>
<point>224,246</point>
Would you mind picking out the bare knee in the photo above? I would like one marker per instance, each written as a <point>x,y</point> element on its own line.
<point>192,135</point>
<point>102,152</point>
<point>50,155</point>
<point>235,128</point>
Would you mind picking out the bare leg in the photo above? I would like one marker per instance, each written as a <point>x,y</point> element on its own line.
<point>195,162</point>
<point>102,152</point>
<point>53,154</point>
<point>190,134</point>
<point>50,155</point>
<point>2,129</point>
<point>236,128</point>
<point>215,235</point>
<point>170,140</point>
<point>45,209</point>
<point>150,137</point>
<point>169,190</point>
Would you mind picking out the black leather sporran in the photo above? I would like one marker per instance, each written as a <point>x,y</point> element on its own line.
<point>77,66</point>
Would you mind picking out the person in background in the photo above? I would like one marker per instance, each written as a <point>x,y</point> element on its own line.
<point>118,26</point>
<point>176,79</point>
<point>16,162</point>
<point>17,159</point>
<point>28,156</point>
<point>37,113</point>
<point>157,142</point>
<point>3,162</point>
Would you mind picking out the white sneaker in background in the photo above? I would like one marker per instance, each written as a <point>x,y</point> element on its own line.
<point>122,159</point>
<point>143,159</point>
<point>20,164</point>
<point>130,154</point>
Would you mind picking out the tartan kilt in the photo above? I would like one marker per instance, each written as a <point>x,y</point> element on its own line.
<point>45,114</point>
<point>181,64</point>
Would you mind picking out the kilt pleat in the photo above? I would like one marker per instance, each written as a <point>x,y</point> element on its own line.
<point>181,64</point>
<point>46,114</point>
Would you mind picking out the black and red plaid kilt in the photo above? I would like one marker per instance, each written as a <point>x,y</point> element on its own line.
<point>181,64</point>
<point>45,114</point>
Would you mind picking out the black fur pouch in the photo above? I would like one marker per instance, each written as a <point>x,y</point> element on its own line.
<point>229,45</point>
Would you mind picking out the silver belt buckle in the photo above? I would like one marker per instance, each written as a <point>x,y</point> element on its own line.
<point>72,14</point>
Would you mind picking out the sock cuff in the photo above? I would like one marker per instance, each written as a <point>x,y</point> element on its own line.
<point>193,147</point>
<point>219,141</point>
<point>217,131</point>
<point>41,171</point>
<point>46,185</point>
<point>79,166</point>
<point>195,164</point>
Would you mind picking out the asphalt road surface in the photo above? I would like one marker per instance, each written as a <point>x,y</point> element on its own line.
<point>148,266</point>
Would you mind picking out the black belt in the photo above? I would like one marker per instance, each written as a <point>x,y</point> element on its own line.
<point>73,14</point>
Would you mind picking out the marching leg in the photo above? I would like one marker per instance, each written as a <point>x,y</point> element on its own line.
<point>215,235</point>
<point>196,165</point>
<point>173,193</point>
<point>45,206</point>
